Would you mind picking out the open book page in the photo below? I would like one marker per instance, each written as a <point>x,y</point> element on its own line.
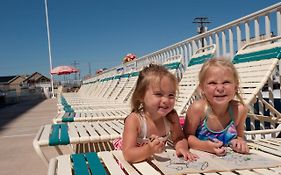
<point>169,163</point>
<point>234,161</point>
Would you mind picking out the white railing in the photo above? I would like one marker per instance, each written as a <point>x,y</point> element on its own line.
<point>229,38</point>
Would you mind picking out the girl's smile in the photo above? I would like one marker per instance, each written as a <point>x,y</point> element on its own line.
<point>159,99</point>
<point>219,89</point>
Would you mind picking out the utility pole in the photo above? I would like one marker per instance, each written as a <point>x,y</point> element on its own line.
<point>201,21</point>
<point>74,64</point>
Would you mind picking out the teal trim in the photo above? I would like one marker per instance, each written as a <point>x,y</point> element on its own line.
<point>94,163</point>
<point>125,75</point>
<point>109,78</point>
<point>259,55</point>
<point>63,103</point>
<point>92,82</point>
<point>68,119</point>
<point>172,65</point>
<point>200,60</point>
<point>106,79</point>
<point>133,74</point>
<point>66,106</point>
<point>54,138</point>
<point>79,164</point>
<point>64,137</point>
<point>54,135</point>
<point>68,109</point>
<point>117,77</point>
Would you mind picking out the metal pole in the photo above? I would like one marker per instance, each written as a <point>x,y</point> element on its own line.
<point>49,47</point>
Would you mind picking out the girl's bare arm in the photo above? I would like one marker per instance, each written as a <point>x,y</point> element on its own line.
<point>131,152</point>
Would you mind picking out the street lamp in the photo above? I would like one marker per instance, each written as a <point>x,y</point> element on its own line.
<point>49,47</point>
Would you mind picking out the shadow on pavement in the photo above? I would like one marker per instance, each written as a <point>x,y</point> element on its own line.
<point>11,112</point>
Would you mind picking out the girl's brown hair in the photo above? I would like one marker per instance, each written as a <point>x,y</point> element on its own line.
<point>151,74</point>
<point>224,63</point>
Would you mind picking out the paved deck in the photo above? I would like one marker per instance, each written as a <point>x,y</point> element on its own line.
<point>19,124</point>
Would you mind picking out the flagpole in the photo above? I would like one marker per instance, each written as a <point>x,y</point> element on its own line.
<point>49,47</point>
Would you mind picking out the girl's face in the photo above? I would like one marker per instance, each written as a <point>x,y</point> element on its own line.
<point>159,99</point>
<point>219,86</point>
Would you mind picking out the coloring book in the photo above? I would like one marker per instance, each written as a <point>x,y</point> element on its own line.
<point>169,163</point>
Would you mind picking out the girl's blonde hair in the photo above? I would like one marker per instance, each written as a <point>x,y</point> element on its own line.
<point>150,75</point>
<point>223,63</point>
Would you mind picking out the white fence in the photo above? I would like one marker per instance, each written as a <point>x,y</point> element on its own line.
<point>228,39</point>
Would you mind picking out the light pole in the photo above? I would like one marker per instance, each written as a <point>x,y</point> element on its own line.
<point>201,28</point>
<point>49,47</point>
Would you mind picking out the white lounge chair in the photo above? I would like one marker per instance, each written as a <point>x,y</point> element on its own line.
<point>79,136</point>
<point>175,64</point>
<point>116,106</point>
<point>189,81</point>
<point>112,162</point>
<point>255,63</point>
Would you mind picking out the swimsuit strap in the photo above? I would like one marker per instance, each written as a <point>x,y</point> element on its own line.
<point>144,131</point>
<point>230,112</point>
<point>143,126</point>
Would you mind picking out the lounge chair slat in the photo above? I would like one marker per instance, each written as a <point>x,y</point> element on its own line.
<point>44,138</point>
<point>145,168</point>
<point>110,163</point>
<point>95,164</point>
<point>64,165</point>
<point>54,135</point>
<point>112,133</point>
<point>79,164</point>
<point>84,136</point>
<point>265,171</point>
<point>247,172</point>
<point>103,134</point>
<point>64,137</point>
<point>277,169</point>
<point>94,136</point>
<point>128,167</point>
<point>73,133</point>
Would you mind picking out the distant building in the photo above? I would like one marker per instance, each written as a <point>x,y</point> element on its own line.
<point>13,82</point>
<point>18,83</point>
<point>36,80</point>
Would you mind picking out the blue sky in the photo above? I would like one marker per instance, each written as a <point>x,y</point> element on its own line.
<point>100,33</point>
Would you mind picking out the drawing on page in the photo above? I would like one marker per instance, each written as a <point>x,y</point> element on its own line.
<point>178,163</point>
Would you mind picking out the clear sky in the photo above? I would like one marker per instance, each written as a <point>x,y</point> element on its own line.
<point>100,33</point>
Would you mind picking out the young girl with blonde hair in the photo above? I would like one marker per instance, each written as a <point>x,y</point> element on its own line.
<point>217,120</point>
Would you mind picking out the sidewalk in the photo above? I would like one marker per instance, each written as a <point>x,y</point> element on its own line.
<point>19,124</point>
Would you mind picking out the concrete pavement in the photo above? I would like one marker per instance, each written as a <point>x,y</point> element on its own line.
<point>19,124</point>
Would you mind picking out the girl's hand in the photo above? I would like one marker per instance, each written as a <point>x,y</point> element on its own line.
<point>240,146</point>
<point>187,155</point>
<point>156,145</point>
<point>217,147</point>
